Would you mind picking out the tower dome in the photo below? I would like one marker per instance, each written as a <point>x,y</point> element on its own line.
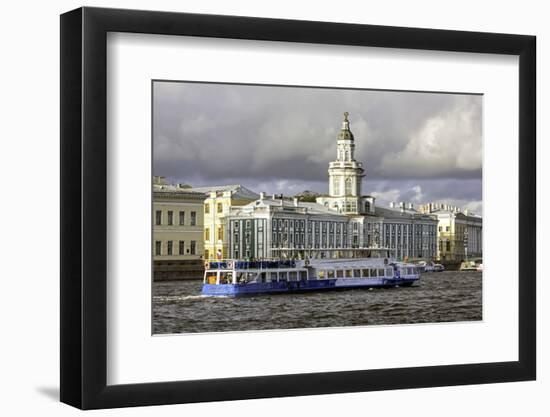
<point>345,132</point>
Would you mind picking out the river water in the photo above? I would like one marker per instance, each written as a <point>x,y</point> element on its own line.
<point>447,296</point>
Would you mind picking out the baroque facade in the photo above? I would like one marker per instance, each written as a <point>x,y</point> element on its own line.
<point>344,223</point>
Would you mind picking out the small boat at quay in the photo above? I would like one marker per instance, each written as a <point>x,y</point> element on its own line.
<point>240,277</point>
<point>473,265</point>
<point>430,266</point>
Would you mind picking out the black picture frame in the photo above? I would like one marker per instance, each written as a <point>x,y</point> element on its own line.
<point>84,207</point>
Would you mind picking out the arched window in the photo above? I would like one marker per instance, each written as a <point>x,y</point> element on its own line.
<point>348,186</point>
<point>367,206</point>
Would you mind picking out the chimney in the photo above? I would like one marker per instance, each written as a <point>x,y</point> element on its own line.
<point>295,202</point>
<point>262,195</point>
<point>392,204</point>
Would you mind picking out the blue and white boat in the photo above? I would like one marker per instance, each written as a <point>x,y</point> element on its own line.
<point>239,277</point>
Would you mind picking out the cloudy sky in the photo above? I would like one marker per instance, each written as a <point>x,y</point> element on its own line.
<point>415,147</point>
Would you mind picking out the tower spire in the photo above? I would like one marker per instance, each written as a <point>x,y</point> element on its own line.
<point>345,123</point>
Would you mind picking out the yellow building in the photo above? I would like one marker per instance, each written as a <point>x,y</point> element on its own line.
<point>216,206</point>
<point>459,232</point>
<point>178,246</point>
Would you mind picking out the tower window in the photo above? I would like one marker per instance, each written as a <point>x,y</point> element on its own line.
<point>348,186</point>
<point>336,185</point>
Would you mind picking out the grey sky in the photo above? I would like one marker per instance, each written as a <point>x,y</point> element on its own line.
<point>416,147</point>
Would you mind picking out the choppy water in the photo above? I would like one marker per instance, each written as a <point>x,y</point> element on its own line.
<point>178,306</point>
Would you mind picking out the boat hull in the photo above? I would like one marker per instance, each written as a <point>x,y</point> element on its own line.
<point>233,290</point>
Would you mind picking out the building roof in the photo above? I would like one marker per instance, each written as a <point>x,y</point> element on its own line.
<point>173,191</point>
<point>237,191</point>
<point>287,204</point>
<point>400,213</point>
<point>447,213</point>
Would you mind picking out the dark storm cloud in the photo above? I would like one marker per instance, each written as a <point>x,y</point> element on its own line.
<point>280,139</point>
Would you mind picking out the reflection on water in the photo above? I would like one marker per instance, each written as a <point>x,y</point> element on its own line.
<point>178,306</point>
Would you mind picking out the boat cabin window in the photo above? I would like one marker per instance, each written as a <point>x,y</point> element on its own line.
<point>243,277</point>
<point>365,273</point>
<point>283,276</point>
<point>349,273</point>
<point>303,275</point>
<point>381,272</point>
<point>272,276</point>
<point>373,273</point>
<point>263,276</point>
<point>357,273</point>
<point>321,274</point>
<point>226,277</point>
<point>389,272</point>
<point>293,276</point>
<point>211,277</point>
<point>339,274</point>
<point>330,273</point>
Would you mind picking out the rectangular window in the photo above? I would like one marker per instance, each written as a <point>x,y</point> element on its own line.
<point>220,233</point>
<point>158,217</point>
<point>193,218</point>
<point>158,246</point>
<point>193,247</point>
<point>170,218</point>
<point>182,247</point>
<point>207,234</point>
<point>169,248</point>
<point>207,208</point>
<point>448,246</point>
<point>220,208</point>
<point>182,218</point>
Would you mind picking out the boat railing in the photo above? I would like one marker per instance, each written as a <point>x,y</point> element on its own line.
<point>255,264</point>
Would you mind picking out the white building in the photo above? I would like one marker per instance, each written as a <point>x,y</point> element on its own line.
<point>343,224</point>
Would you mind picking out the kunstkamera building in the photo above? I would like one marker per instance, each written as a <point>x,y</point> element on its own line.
<point>343,223</point>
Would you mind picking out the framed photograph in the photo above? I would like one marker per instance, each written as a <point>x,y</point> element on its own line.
<point>258,208</point>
